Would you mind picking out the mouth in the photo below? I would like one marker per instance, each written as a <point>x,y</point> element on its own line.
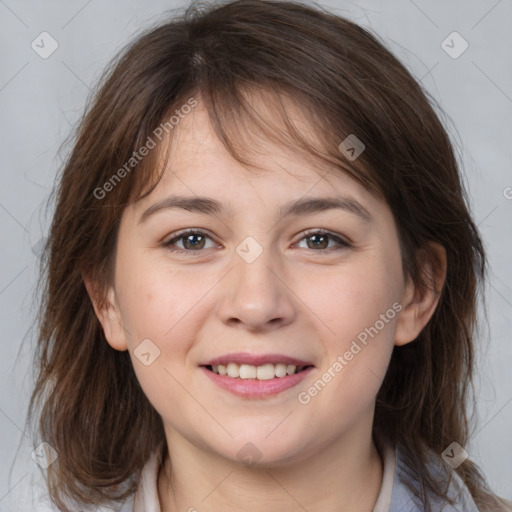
<point>251,376</point>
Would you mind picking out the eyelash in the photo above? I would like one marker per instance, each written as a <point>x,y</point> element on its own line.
<point>343,244</point>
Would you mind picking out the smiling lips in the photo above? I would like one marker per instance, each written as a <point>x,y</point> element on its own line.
<point>261,367</point>
<point>248,375</point>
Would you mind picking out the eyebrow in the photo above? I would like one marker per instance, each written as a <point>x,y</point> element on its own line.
<point>303,206</point>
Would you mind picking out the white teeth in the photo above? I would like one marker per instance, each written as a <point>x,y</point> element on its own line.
<point>266,372</point>
<point>247,371</point>
<point>281,370</point>
<point>233,370</point>
<point>263,372</point>
<point>290,369</point>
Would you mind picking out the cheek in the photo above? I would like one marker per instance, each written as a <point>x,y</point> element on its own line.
<point>353,368</point>
<point>155,297</point>
<point>358,311</point>
<point>164,307</point>
<point>351,299</point>
<point>169,308</point>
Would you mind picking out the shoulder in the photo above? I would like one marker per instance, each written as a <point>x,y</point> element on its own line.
<point>403,497</point>
<point>30,493</point>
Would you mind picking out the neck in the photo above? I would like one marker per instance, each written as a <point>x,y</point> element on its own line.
<point>343,476</point>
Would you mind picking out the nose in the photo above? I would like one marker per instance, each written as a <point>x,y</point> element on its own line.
<point>257,296</point>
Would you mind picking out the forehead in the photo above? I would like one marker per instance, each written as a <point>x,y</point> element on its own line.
<point>197,158</point>
<point>277,172</point>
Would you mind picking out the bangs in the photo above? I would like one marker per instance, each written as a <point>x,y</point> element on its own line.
<point>244,117</point>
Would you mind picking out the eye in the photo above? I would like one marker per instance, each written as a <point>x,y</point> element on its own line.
<point>193,241</point>
<point>320,239</point>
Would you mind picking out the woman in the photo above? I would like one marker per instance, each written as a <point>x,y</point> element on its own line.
<point>261,279</point>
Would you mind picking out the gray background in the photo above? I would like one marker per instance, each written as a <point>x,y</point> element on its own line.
<point>41,99</point>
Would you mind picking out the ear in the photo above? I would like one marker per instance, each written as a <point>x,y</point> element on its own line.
<point>419,303</point>
<point>108,314</point>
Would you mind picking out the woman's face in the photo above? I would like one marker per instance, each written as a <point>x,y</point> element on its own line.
<point>255,284</point>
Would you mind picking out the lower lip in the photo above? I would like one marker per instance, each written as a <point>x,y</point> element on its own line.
<point>253,388</point>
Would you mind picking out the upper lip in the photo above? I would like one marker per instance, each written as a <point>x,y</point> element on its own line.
<point>256,360</point>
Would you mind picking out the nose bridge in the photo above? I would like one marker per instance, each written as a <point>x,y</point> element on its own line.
<point>255,294</point>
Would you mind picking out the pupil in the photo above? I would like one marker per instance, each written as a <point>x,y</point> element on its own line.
<point>316,237</point>
<point>190,237</point>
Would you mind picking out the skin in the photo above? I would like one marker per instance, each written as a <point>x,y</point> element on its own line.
<point>294,299</point>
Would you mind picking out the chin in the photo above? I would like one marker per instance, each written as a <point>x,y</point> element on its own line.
<point>260,452</point>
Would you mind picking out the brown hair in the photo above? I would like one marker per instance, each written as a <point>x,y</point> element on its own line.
<point>92,410</point>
